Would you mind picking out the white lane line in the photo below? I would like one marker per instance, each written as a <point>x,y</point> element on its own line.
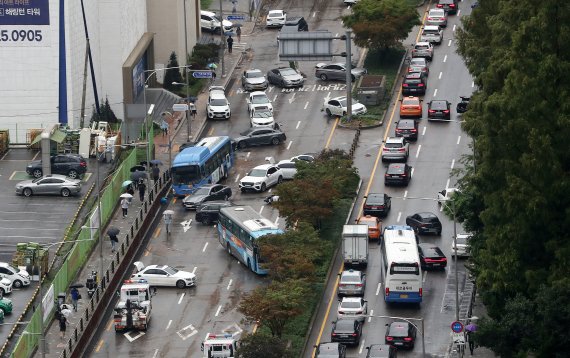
<point>229,284</point>
<point>445,58</point>
<point>361,346</point>
<point>458,139</point>
<point>194,270</point>
<point>181,297</point>
<point>276,220</point>
<point>439,77</point>
<point>248,154</point>
<point>424,130</point>
<point>425,275</point>
<point>435,93</point>
<point>399,217</point>
<point>4,156</point>
<point>412,173</point>
<point>218,310</point>
<point>473,84</point>
<point>306,105</point>
<point>204,249</point>
<point>260,210</point>
<point>454,26</point>
<point>155,353</point>
<point>291,142</point>
<point>336,35</point>
<point>371,314</point>
<point>168,325</point>
<point>458,12</point>
<point>314,14</point>
<point>405,194</point>
<point>418,152</point>
<point>447,184</point>
<point>378,288</point>
<point>452,163</point>
<point>449,43</point>
<point>298,124</point>
<point>275,98</point>
<point>237,178</point>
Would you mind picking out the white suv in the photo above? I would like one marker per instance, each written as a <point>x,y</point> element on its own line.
<point>338,107</point>
<point>5,286</point>
<point>395,148</point>
<point>18,277</point>
<point>218,105</point>
<point>261,177</point>
<point>210,21</point>
<point>276,18</point>
<point>432,34</point>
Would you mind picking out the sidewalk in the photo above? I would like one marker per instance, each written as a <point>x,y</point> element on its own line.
<point>54,343</point>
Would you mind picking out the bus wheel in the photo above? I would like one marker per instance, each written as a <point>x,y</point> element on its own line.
<point>229,248</point>
<point>248,264</point>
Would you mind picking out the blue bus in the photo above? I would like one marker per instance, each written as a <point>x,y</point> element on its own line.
<point>238,229</point>
<point>206,162</point>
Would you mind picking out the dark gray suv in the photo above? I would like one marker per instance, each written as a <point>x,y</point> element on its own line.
<point>71,165</point>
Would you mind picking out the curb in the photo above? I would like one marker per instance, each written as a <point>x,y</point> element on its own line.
<point>340,125</point>
<point>394,85</point>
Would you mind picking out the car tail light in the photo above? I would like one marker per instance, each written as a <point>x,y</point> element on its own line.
<point>404,85</point>
<point>398,130</point>
<point>431,111</point>
<point>452,5</point>
<point>413,130</point>
<point>386,175</point>
<point>408,339</point>
<point>354,334</point>
<point>386,149</point>
<point>439,5</point>
<point>430,18</point>
<point>83,164</point>
<point>333,334</point>
<point>387,291</point>
<point>421,291</point>
<point>358,285</point>
<point>389,339</point>
<point>420,85</point>
<point>401,149</point>
<point>446,111</point>
<point>341,285</point>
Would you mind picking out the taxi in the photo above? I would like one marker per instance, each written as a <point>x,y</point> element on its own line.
<point>374,226</point>
<point>411,107</point>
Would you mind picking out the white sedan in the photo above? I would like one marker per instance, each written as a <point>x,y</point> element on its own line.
<point>163,275</point>
<point>289,168</point>
<point>258,99</point>
<point>262,116</point>
<point>276,18</point>
<point>338,107</point>
<point>353,307</point>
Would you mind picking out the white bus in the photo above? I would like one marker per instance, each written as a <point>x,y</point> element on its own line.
<point>401,265</point>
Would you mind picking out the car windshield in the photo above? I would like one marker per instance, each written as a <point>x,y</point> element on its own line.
<point>393,145</point>
<point>259,99</point>
<point>275,14</point>
<point>398,330</point>
<point>218,102</point>
<point>170,270</point>
<point>436,12</point>
<point>257,173</point>
<point>265,113</point>
<point>418,61</point>
<point>350,304</point>
<point>253,74</point>
<point>287,72</point>
<point>36,180</point>
<point>422,47</point>
<point>202,191</point>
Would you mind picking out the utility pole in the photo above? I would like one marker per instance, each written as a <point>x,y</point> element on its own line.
<point>348,76</point>
<point>455,251</point>
<point>186,73</point>
<point>82,118</point>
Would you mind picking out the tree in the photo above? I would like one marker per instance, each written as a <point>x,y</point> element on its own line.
<point>172,74</point>
<point>275,305</point>
<point>381,24</point>
<point>260,345</point>
<point>107,114</point>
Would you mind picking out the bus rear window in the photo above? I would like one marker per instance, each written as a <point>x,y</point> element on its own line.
<point>405,269</point>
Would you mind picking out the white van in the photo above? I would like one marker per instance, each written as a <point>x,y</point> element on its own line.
<point>18,277</point>
<point>432,34</point>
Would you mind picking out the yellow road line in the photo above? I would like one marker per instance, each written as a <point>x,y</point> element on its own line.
<point>325,320</point>
<point>147,251</point>
<point>332,132</point>
<point>99,346</point>
<point>157,232</point>
<point>211,131</point>
<point>109,325</point>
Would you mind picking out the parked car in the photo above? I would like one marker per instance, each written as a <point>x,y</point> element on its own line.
<point>381,351</point>
<point>411,107</point>
<point>164,275</point>
<point>261,178</point>
<point>262,117</point>
<point>209,212</point>
<point>374,226</point>
<point>351,283</point>
<point>396,148</point>
<point>71,165</point>
<point>337,71</point>
<point>377,204</point>
<point>218,105</point>
<point>450,6</point>
<point>289,169</point>
<point>437,17</point>
<point>401,334</point>
<point>5,286</point>
<point>276,18</point>
<point>433,34</point>
<point>414,83</point>
<point>20,278</point>
<point>259,136</point>
<point>308,157</point>
<point>423,49</point>
<point>407,128</point>
<point>6,305</point>
<point>253,80</point>
<point>425,223</point>
<point>398,174</point>
<point>211,22</point>
<point>285,77</point>
<point>297,21</point>
<point>431,257</point>
<point>463,247</point>
<point>208,192</point>
<point>258,99</point>
<point>439,110</point>
<point>353,307</point>
<point>347,331</point>
<point>49,185</point>
<point>338,107</point>
<point>331,350</point>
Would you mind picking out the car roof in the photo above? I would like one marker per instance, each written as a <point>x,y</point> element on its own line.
<point>351,299</point>
<point>253,70</point>
<point>396,167</point>
<point>437,10</point>
<point>426,214</point>
<point>286,161</point>
<point>431,27</point>
<point>414,75</point>
<point>399,327</point>
<point>264,166</point>
<point>344,323</point>
<point>341,98</point>
<point>204,12</point>
<point>275,11</point>
<point>217,94</point>
<point>423,43</point>
<point>394,139</point>
<point>257,93</point>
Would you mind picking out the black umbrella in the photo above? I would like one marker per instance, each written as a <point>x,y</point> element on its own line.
<point>138,167</point>
<point>113,231</point>
<point>237,24</point>
<point>136,176</point>
<point>156,162</point>
<point>77,285</point>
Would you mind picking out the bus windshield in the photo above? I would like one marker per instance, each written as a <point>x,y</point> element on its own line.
<point>186,174</point>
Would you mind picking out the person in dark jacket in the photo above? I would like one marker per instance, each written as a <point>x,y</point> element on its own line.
<point>230,44</point>
<point>74,297</point>
<point>142,189</point>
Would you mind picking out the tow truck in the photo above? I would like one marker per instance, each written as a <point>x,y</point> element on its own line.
<point>134,307</point>
<point>220,346</point>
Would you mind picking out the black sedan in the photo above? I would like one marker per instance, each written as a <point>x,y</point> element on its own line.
<point>285,77</point>
<point>398,174</point>
<point>424,223</point>
<point>431,257</point>
<point>209,212</point>
<point>439,110</point>
<point>347,331</point>
<point>377,204</point>
<point>259,136</point>
<point>207,193</point>
<point>401,334</point>
<point>407,128</point>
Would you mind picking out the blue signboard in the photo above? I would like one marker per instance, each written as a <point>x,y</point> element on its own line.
<point>236,17</point>
<point>202,74</point>
<point>457,327</point>
<point>138,76</point>
<point>29,12</point>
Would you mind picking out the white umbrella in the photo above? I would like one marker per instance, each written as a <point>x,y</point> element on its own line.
<point>126,195</point>
<point>169,212</point>
<point>65,311</point>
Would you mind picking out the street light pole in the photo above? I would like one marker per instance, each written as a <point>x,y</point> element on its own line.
<point>188,103</point>
<point>100,237</point>
<point>222,37</point>
<point>348,76</point>
<point>41,309</point>
<point>187,73</point>
<point>455,261</point>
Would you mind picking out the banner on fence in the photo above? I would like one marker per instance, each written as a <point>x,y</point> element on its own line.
<point>48,302</point>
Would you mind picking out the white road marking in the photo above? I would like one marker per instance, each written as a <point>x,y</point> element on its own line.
<point>439,77</point>
<point>260,210</point>
<point>204,249</point>
<point>412,173</point>
<point>186,224</point>
<point>452,163</point>
<point>399,217</point>
<point>435,93</point>
<point>248,154</point>
<point>229,284</point>
<point>424,130</point>
<point>361,346</point>
<point>4,156</point>
<point>237,178</point>
<point>447,184</point>
<point>458,139</point>
<point>454,26</point>
<point>327,97</point>
<point>275,98</point>
<point>194,270</point>
<point>276,220</point>
<point>314,86</point>
<point>418,152</point>
<point>371,314</point>
<point>306,105</point>
<point>291,142</point>
<point>405,194</point>
<point>155,353</point>
<point>445,58</point>
<point>298,124</point>
<point>473,84</point>
<point>425,275</point>
<point>314,14</point>
<point>168,325</point>
<point>132,339</point>
<point>218,310</point>
<point>181,297</point>
<point>458,12</point>
<point>190,327</point>
<point>449,43</point>
<point>336,35</point>
<point>378,288</point>
<point>292,98</point>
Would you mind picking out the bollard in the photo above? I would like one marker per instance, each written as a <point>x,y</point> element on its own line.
<point>127,240</point>
<point>75,334</point>
<point>113,266</point>
<point>145,208</point>
<point>87,314</point>
<point>92,305</point>
<point>81,324</point>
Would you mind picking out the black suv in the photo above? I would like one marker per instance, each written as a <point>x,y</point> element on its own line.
<point>376,204</point>
<point>450,6</point>
<point>330,350</point>
<point>398,173</point>
<point>414,83</point>
<point>71,165</point>
<point>209,211</point>
<point>347,331</point>
<point>424,223</point>
<point>407,128</point>
<point>439,110</point>
<point>401,334</point>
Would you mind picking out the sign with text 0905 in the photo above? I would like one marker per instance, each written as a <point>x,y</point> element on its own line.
<point>23,23</point>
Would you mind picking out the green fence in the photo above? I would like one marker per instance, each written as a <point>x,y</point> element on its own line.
<point>78,255</point>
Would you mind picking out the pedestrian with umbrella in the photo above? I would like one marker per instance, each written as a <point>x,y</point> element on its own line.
<point>471,328</point>
<point>75,296</point>
<point>113,232</point>
<point>230,43</point>
<point>125,202</point>
<point>238,34</point>
<point>62,324</point>
<point>142,189</point>
<point>155,173</point>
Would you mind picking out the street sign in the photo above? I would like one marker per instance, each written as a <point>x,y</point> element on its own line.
<point>236,17</point>
<point>202,74</point>
<point>457,327</point>
<point>458,338</point>
<point>180,107</point>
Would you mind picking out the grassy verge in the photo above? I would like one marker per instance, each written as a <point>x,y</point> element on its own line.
<point>384,62</point>
<point>205,4</point>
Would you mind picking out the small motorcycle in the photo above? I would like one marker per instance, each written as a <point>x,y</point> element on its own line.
<point>462,106</point>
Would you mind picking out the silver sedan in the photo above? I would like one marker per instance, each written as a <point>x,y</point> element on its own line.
<point>49,185</point>
<point>337,71</point>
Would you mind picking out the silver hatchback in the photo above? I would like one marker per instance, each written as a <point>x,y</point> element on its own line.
<point>49,185</point>
<point>352,283</point>
<point>437,17</point>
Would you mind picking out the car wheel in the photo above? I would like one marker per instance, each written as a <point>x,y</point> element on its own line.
<point>324,77</point>
<point>263,187</point>
<point>65,192</point>
<point>37,173</point>
<point>438,233</point>
<point>228,247</point>
<point>73,174</point>
<point>18,284</point>
<point>280,180</point>
<point>27,192</point>
<point>242,145</point>
<point>328,111</point>
<point>2,292</point>
<point>275,141</point>
<point>180,284</point>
